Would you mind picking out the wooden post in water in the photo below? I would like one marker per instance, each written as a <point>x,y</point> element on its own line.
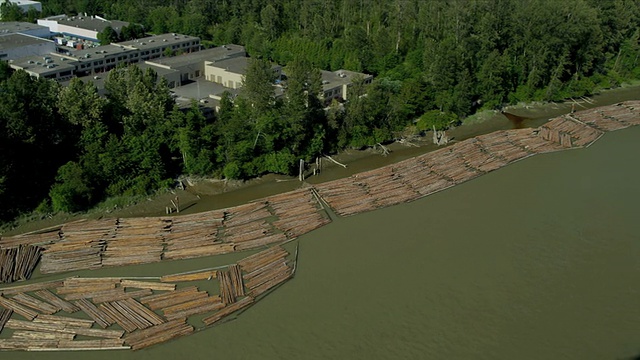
<point>301,175</point>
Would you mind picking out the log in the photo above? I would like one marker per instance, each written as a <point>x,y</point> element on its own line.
<point>28,345</point>
<point>238,305</point>
<point>194,276</point>
<point>147,285</point>
<point>39,335</point>
<point>66,321</point>
<point>31,287</point>
<point>104,344</point>
<point>121,296</point>
<point>61,328</point>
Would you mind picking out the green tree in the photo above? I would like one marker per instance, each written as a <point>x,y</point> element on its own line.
<point>107,36</point>
<point>72,191</point>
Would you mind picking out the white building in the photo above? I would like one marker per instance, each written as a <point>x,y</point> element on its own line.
<point>25,5</point>
<point>83,27</point>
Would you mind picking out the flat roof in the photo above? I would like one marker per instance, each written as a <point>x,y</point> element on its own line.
<point>213,54</point>
<point>88,22</point>
<point>38,63</point>
<point>158,40</point>
<point>99,52</point>
<point>162,72</point>
<point>19,26</point>
<point>236,65</point>
<point>200,89</point>
<point>11,41</point>
<point>331,79</point>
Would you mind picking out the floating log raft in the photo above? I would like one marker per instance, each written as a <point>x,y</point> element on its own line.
<point>265,270</point>
<point>18,263</point>
<point>39,306</point>
<point>100,317</point>
<point>51,298</point>
<point>18,308</point>
<point>158,334</point>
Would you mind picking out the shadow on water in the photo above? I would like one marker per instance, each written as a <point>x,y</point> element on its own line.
<point>516,120</point>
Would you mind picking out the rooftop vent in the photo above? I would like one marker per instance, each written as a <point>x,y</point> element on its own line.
<point>151,40</point>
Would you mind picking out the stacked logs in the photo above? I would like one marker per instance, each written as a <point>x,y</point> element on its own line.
<point>80,248</point>
<point>569,133</point>
<point>231,284</point>
<point>18,263</point>
<point>265,270</point>
<point>247,227</point>
<point>197,231</point>
<point>297,212</point>
<point>42,238</point>
<point>136,241</point>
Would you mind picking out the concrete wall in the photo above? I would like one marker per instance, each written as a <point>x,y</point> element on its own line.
<point>83,33</point>
<point>51,24</point>
<point>222,76</point>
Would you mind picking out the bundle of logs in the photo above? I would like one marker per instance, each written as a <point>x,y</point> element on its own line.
<point>118,313</point>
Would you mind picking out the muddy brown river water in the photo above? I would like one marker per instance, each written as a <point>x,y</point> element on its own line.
<point>538,260</point>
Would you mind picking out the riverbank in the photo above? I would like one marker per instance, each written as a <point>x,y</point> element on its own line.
<point>545,266</point>
<point>217,194</point>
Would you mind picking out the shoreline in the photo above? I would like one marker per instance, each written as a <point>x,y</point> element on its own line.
<point>212,194</point>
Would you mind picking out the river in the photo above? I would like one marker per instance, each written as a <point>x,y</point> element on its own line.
<point>538,260</point>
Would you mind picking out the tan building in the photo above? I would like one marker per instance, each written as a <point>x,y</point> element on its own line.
<point>231,72</point>
<point>192,66</point>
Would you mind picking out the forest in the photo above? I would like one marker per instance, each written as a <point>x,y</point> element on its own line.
<point>434,62</point>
